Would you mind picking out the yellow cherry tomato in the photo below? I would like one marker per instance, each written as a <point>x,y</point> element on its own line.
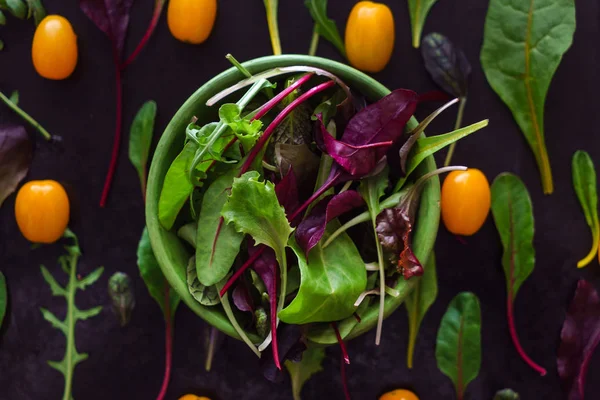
<point>42,211</point>
<point>54,48</point>
<point>191,20</point>
<point>370,36</point>
<point>193,397</point>
<point>466,199</point>
<point>400,394</point>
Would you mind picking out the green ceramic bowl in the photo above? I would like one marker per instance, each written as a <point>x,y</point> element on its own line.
<point>172,254</point>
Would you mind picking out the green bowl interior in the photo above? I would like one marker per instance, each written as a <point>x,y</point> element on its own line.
<point>172,254</point>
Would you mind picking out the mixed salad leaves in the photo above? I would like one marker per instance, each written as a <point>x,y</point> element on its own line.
<point>270,195</point>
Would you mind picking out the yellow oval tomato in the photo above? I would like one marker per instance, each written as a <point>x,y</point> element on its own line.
<point>191,20</point>
<point>54,48</point>
<point>193,397</point>
<point>466,199</point>
<point>399,394</point>
<point>370,36</point>
<point>42,211</point>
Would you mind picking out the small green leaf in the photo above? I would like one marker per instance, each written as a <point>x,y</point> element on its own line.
<point>56,323</point>
<point>584,182</point>
<point>506,394</point>
<point>3,298</point>
<point>418,302</point>
<point>2,18</point>
<point>300,372</point>
<point>418,10</point>
<point>16,7</point>
<point>519,59</point>
<point>122,296</point>
<point>458,345</point>
<point>56,289</point>
<point>245,130</point>
<point>90,279</point>
<point>153,277</point>
<point>205,295</point>
<point>14,97</point>
<point>140,139</point>
<point>427,146</point>
<point>85,314</point>
<point>326,27</point>
<point>37,10</point>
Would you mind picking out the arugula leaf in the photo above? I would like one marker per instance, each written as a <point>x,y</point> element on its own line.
<point>37,10</point>
<point>418,10</point>
<point>519,63</point>
<point>16,152</point>
<point>68,263</point>
<point>584,182</point>
<point>245,130</point>
<point>580,336</point>
<point>205,295</point>
<point>506,394</point>
<point>418,302</point>
<point>325,26</point>
<point>140,140</point>
<point>331,281</point>
<point>301,371</point>
<point>121,294</point>
<point>458,345</point>
<point>3,298</point>
<point>513,215</point>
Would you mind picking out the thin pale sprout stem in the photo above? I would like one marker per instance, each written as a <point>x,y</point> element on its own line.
<point>314,43</point>
<point>459,117</point>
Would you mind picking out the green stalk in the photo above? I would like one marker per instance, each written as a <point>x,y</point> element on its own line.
<point>412,329</point>
<point>238,65</point>
<point>381,283</point>
<point>25,116</point>
<point>459,117</point>
<point>271,6</point>
<point>235,324</point>
<point>314,43</point>
<point>69,357</point>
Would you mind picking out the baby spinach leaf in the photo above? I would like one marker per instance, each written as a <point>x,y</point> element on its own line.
<point>458,345</point>
<point>205,295</point>
<point>325,26</point>
<point>506,394</point>
<point>301,371</point>
<point>513,215</point>
<point>68,263</point>
<point>519,62</point>
<point>418,10</point>
<point>140,140</point>
<point>580,336</point>
<point>331,281</point>
<point>122,296</point>
<point>418,302</point>
<point>155,280</point>
<point>16,153</point>
<point>3,298</point>
<point>447,64</point>
<point>584,182</point>
<point>217,243</point>
<point>311,229</point>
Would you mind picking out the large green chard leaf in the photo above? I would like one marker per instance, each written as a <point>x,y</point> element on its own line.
<point>154,279</point>
<point>330,281</point>
<point>513,215</point>
<point>325,26</point>
<point>140,140</point>
<point>524,41</point>
<point>417,304</point>
<point>458,345</point>
<point>217,243</point>
<point>418,13</point>
<point>3,298</point>
<point>584,182</point>
<point>301,371</point>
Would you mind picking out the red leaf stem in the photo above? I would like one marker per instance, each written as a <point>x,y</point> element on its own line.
<point>344,378</point>
<point>284,93</point>
<point>344,359</point>
<point>515,338</point>
<point>280,117</point>
<point>243,268</point>
<point>158,7</point>
<point>168,345</point>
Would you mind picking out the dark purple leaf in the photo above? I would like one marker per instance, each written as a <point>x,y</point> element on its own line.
<point>394,227</point>
<point>311,229</point>
<point>580,336</point>
<point>111,17</point>
<point>242,298</point>
<point>447,64</point>
<point>286,191</point>
<point>291,347</point>
<point>16,152</point>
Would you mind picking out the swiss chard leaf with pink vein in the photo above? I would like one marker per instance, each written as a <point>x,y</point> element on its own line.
<point>112,18</point>
<point>580,336</point>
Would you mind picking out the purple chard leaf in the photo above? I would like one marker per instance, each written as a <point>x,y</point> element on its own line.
<point>311,229</point>
<point>580,336</point>
<point>16,152</point>
<point>112,18</point>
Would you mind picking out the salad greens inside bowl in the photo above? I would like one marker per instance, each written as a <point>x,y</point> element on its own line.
<point>251,196</point>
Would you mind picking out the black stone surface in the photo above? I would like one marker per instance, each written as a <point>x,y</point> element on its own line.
<point>128,363</point>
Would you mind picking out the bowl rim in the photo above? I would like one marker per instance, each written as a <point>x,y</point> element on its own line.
<point>423,237</point>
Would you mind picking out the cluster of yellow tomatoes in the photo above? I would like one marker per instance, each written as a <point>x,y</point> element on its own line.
<point>400,394</point>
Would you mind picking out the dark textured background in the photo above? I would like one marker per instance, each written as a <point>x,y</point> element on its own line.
<point>128,363</point>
